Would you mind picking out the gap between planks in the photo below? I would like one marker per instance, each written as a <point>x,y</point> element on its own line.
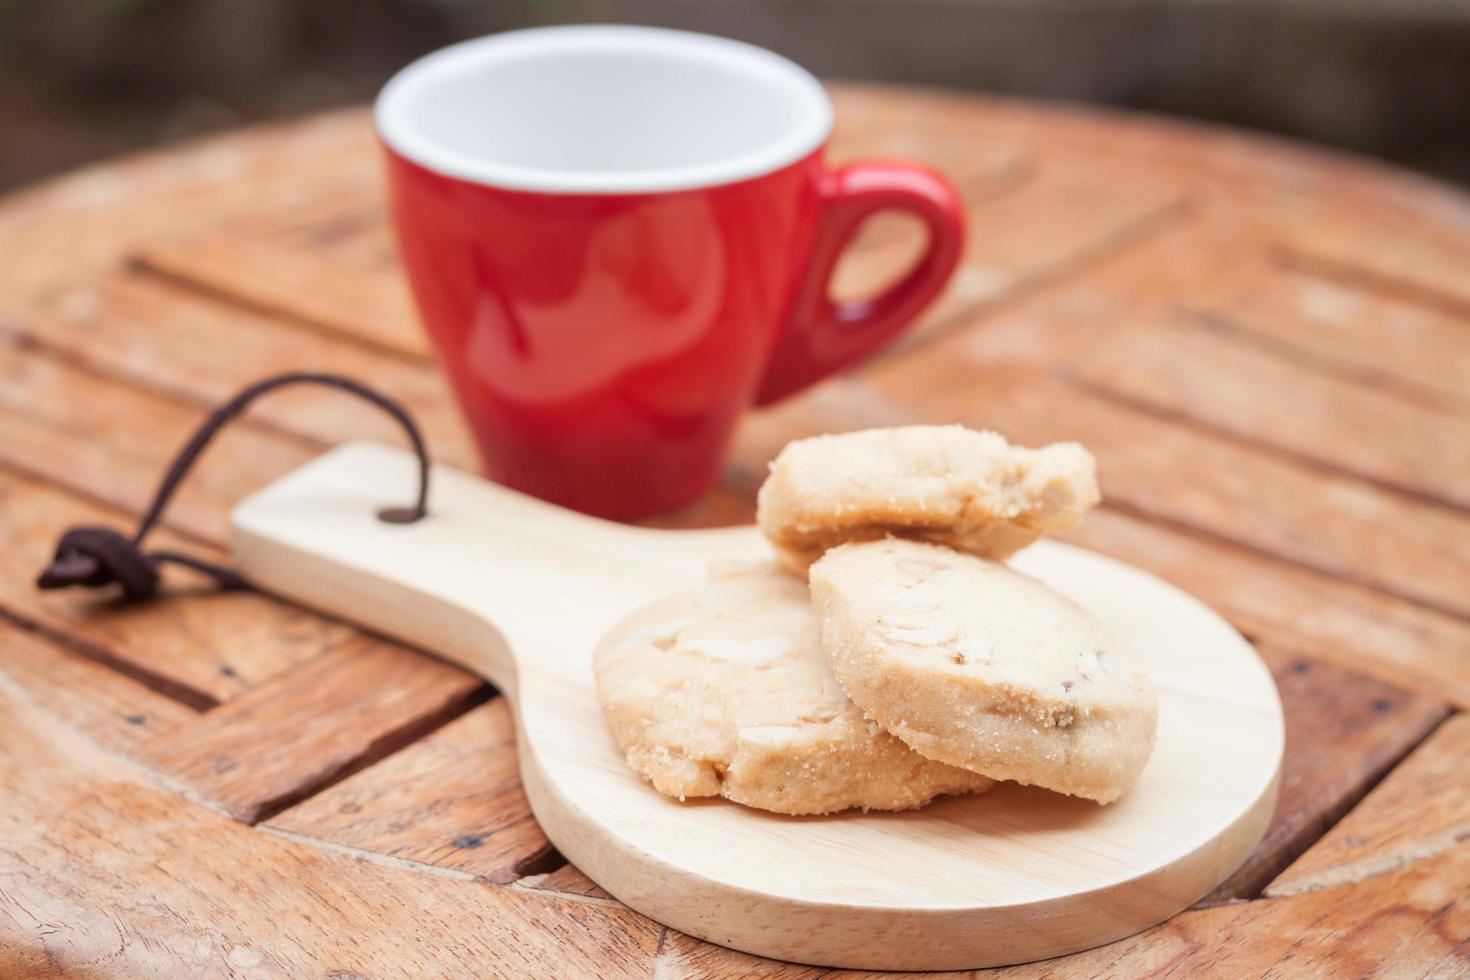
<point>1422,798</point>
<point>220,755</point>
<point>1290,256</point>
<point>1289,839</point>
<point>1228,327</point>
<point>1306,462</point>
<point>13,329</point>
<point>1199,532</point>
<point>174,690</point>
<point>1212,323</point>
<point>142,265</point>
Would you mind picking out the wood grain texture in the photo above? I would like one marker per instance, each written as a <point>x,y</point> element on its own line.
<point>105,872</point>
<point>283,740</point>
<point>1411,923</point>
<point>1362,334</point>
<point>1322,520</point>
<point>450,800</point>
<point>112,709</point>
<point>1185,367</point>
<point>140,330</point>
<point>1418,813</point>
<point>199,647</point>
<point>1419,261</point>
<point>330,265</point>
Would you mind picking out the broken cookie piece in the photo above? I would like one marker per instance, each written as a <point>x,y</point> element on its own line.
<point>976,665</point>
<point>944,483</point>
<point>725,691</point>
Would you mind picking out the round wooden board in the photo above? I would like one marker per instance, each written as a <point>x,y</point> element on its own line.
<point>520,591</point>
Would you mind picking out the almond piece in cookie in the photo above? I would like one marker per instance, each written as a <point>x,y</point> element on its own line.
<point>970,490</point>
<point>725,691</point>
<point>976,665</point>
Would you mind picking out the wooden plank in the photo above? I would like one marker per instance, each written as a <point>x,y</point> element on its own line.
<point>1366,335</point>
<point>451,800</point>
<point>286,739</point>
<point>1413,259</point>
<point>1416,814</point>
<point>330,264</point>
<point>1182,367</point>
<point>111,442</point>
<point>115,711</point>
<point>148,333</point>
<point>1343,732</point>
<point>107,872</point>
<point>197,647</point>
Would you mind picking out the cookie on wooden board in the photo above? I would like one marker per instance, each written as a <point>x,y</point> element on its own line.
<point>974,664</point>
<point>725,691</point>
<point>946,483</point>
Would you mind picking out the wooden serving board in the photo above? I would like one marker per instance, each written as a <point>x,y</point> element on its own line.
<point>520,591</point>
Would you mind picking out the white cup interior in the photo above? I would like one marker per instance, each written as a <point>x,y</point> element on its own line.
<point>603,109</point>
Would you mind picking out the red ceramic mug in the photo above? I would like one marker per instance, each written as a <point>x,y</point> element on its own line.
<point>619,238</point>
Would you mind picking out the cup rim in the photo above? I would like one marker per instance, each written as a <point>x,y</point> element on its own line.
<point>393,116</point>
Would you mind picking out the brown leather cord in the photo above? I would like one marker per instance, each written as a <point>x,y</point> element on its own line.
<point>101,556</point>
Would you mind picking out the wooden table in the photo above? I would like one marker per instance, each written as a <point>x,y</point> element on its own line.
<point>1267,348</point>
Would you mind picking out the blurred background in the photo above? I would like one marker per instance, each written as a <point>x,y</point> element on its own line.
<point>81,80</point>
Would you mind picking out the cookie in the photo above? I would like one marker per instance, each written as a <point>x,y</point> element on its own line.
<point>725,691</point>
<point>974,664</point>
<point>970,490</point>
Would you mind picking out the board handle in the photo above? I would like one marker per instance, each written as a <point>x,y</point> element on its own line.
<point>481,576</point>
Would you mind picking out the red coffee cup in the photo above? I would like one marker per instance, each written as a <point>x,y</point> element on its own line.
<point>619,238</point>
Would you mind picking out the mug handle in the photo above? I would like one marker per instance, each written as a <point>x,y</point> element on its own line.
<point>821,336</point>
